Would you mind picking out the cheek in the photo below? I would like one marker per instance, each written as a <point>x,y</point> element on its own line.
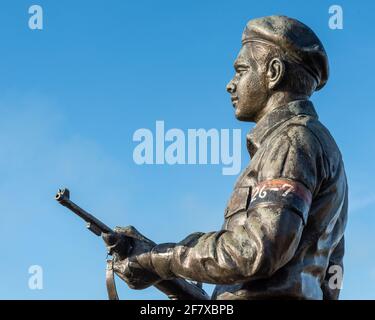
<point>249,85</point>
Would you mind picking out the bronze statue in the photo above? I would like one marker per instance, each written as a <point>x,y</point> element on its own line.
<point>284,223</point>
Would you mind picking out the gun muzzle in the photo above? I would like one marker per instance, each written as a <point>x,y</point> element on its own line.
<point>62,195</point>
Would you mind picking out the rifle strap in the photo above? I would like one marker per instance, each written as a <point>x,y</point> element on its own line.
<point>110,281</point>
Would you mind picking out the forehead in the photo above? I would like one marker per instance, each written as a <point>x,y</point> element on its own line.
<point>245,55</point>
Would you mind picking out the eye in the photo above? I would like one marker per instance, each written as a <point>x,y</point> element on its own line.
<point>241,71</point>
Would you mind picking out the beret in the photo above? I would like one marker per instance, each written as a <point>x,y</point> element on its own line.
<point>296,39</point>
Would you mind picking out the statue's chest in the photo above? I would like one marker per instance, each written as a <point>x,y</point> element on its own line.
<point>236,210</point>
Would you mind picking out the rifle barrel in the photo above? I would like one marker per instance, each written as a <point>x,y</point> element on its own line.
<point>95,225</point>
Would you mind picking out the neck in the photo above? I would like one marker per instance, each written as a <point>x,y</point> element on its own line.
<point>279,99</point>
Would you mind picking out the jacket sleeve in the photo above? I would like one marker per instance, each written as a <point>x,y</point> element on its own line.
<point>276,215</point>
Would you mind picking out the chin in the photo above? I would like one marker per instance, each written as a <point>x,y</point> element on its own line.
<point>242,117</point>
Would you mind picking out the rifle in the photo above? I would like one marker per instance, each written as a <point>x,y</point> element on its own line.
<point>175,289</point>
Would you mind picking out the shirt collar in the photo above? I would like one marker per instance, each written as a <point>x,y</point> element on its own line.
<point>275,118</point>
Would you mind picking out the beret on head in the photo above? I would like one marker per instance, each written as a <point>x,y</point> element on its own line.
<point>296,39</point>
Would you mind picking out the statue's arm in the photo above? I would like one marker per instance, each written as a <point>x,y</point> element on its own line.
<point>289,173</point>
<point>266,242</point>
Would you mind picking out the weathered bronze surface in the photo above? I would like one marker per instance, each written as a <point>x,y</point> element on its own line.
<point>284,223</point>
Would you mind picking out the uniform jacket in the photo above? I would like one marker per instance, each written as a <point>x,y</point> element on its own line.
<point>284,223</point>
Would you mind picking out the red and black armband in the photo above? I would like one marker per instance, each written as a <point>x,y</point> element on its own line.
<point>283,193</point>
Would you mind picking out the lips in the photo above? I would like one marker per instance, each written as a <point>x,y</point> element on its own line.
<point>234,100</point>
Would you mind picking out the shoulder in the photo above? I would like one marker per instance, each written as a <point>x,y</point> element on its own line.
<point>294,151</point>
<point>300,133</point>
<point>307,133</point>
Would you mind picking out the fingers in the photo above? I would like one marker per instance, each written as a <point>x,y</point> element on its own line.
<point>110,238</point>
<point>132,232</point>
<point>117,244</point>
<point>126,241</point>
<point>128,231</point>
<point>134,275</point>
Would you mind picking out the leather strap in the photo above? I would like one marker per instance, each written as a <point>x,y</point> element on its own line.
<point>110,281</point>
<point>168,287</point>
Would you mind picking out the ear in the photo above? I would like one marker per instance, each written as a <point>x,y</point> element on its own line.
<point>275,72</point>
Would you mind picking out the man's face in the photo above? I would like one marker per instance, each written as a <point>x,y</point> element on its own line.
<point>248,87</point>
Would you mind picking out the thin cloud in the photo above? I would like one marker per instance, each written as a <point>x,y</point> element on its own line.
<point>362,202</point>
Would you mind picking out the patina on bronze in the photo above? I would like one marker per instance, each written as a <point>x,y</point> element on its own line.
<point>284,223</point>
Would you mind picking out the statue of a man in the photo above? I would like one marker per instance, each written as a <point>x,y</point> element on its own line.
<point>284,223</point>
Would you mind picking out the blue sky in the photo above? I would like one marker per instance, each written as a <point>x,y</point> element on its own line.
<point>72,95</point>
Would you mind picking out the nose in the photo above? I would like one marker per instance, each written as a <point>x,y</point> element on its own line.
<point>231,87</point>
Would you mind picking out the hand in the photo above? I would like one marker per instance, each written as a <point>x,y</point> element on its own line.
<point>132,257</point>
